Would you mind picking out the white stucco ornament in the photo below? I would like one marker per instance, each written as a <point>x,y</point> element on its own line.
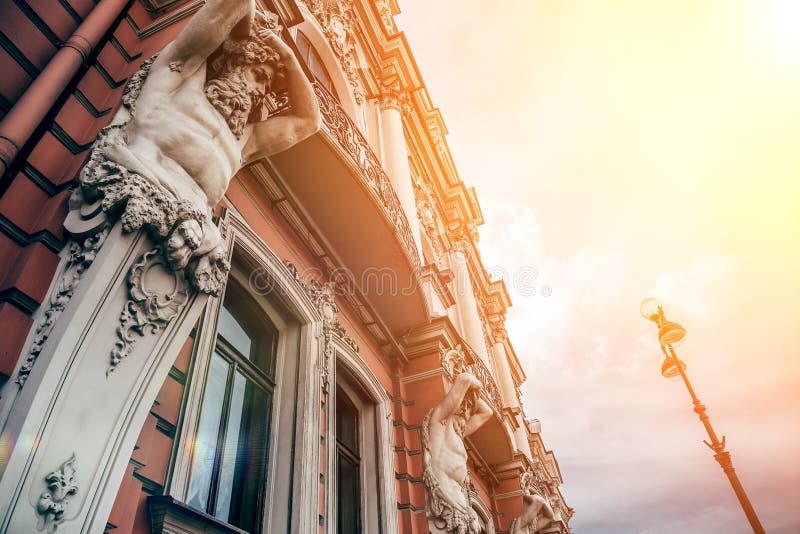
<point>444,457</point>
<point>190,118</point>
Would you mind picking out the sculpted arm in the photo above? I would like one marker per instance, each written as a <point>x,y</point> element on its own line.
<point>482,414</point>
<point>449,405</point>
<point>207,30</point>
<point>279,133</point>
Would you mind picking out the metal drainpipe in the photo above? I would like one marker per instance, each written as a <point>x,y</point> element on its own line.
<point>32,107</point>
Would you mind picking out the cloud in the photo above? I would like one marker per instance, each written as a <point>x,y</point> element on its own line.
<point>696,290</point>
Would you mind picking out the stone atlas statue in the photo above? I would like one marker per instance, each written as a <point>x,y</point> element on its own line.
<point>191,117</point>
<point>536,515</point>
<point>444,457</point>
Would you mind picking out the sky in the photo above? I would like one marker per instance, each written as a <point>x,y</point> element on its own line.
<point>625,149</point>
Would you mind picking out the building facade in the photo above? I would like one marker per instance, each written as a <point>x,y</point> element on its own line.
<point>293,400</point>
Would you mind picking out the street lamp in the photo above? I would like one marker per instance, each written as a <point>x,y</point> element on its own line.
<point>670,333</point>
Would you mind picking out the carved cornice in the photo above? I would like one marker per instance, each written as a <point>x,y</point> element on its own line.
<point>393,97</point>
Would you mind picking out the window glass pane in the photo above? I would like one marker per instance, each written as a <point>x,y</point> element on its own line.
<point>233,331</point>
<point>347,513</point>
<point>314,63</point>
<point>346,421</point>
<point>205,444</point>
<point>230,448</point>
<point>251,460</point>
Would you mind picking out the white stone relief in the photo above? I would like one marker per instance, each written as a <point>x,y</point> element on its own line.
<point>190,118</point>
<point>53,504</point>
<point>81,256</point>
<point>147,310</point>
<point>322,295</point>
<point>444,456</point>
<point>453,362</point>
<point>169,153</point>
<point>338,22</point>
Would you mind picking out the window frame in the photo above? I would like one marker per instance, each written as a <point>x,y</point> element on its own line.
<point>252,372</point>
<point>376,445</point>
<point>292,452</point>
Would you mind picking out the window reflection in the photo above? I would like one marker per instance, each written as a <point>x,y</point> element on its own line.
<point>232,442</point>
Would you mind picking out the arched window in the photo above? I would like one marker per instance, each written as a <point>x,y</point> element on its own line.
<point>314,63</point>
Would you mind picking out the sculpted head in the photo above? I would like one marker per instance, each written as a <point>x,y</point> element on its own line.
<point>242,74</point>
<point>465,411</point>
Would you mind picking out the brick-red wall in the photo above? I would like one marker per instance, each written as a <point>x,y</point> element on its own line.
<point>34,190</point>
<point>149,462</point>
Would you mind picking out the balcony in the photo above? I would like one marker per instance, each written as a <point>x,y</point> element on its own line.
<point>338,183</point>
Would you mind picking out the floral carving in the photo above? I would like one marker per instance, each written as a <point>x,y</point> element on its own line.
<point>337,19</point>
<point>53,504</point>
<point>339,125</point>
<point>146,310</point>
<point>429,219</point>
<point>81,255</point>
<point>322,295</point>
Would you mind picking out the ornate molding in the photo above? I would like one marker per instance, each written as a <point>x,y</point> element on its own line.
<point>322,296</point>
<point>338,21</point>
<point>429,219</point>
<point>394,97</point>
<point>146,309</point>
<point>342,128</point>
<point>52,504</point>
<point>386,15</point>
<point>81,256</point>
<point>437,137</point>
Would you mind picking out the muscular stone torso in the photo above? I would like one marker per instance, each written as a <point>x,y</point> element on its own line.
<point>178,138</point>
<point>449,457</point>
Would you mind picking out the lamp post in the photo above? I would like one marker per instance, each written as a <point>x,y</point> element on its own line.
<point>668,334</point>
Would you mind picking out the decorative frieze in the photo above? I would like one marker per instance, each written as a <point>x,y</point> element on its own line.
<point>387,17</point>
<point>52,504</point>
<point>429,219</point>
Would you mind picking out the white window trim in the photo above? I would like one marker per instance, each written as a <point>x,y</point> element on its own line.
<point>483,512</point>
<point>296,397</point>
<point>378,515</point>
